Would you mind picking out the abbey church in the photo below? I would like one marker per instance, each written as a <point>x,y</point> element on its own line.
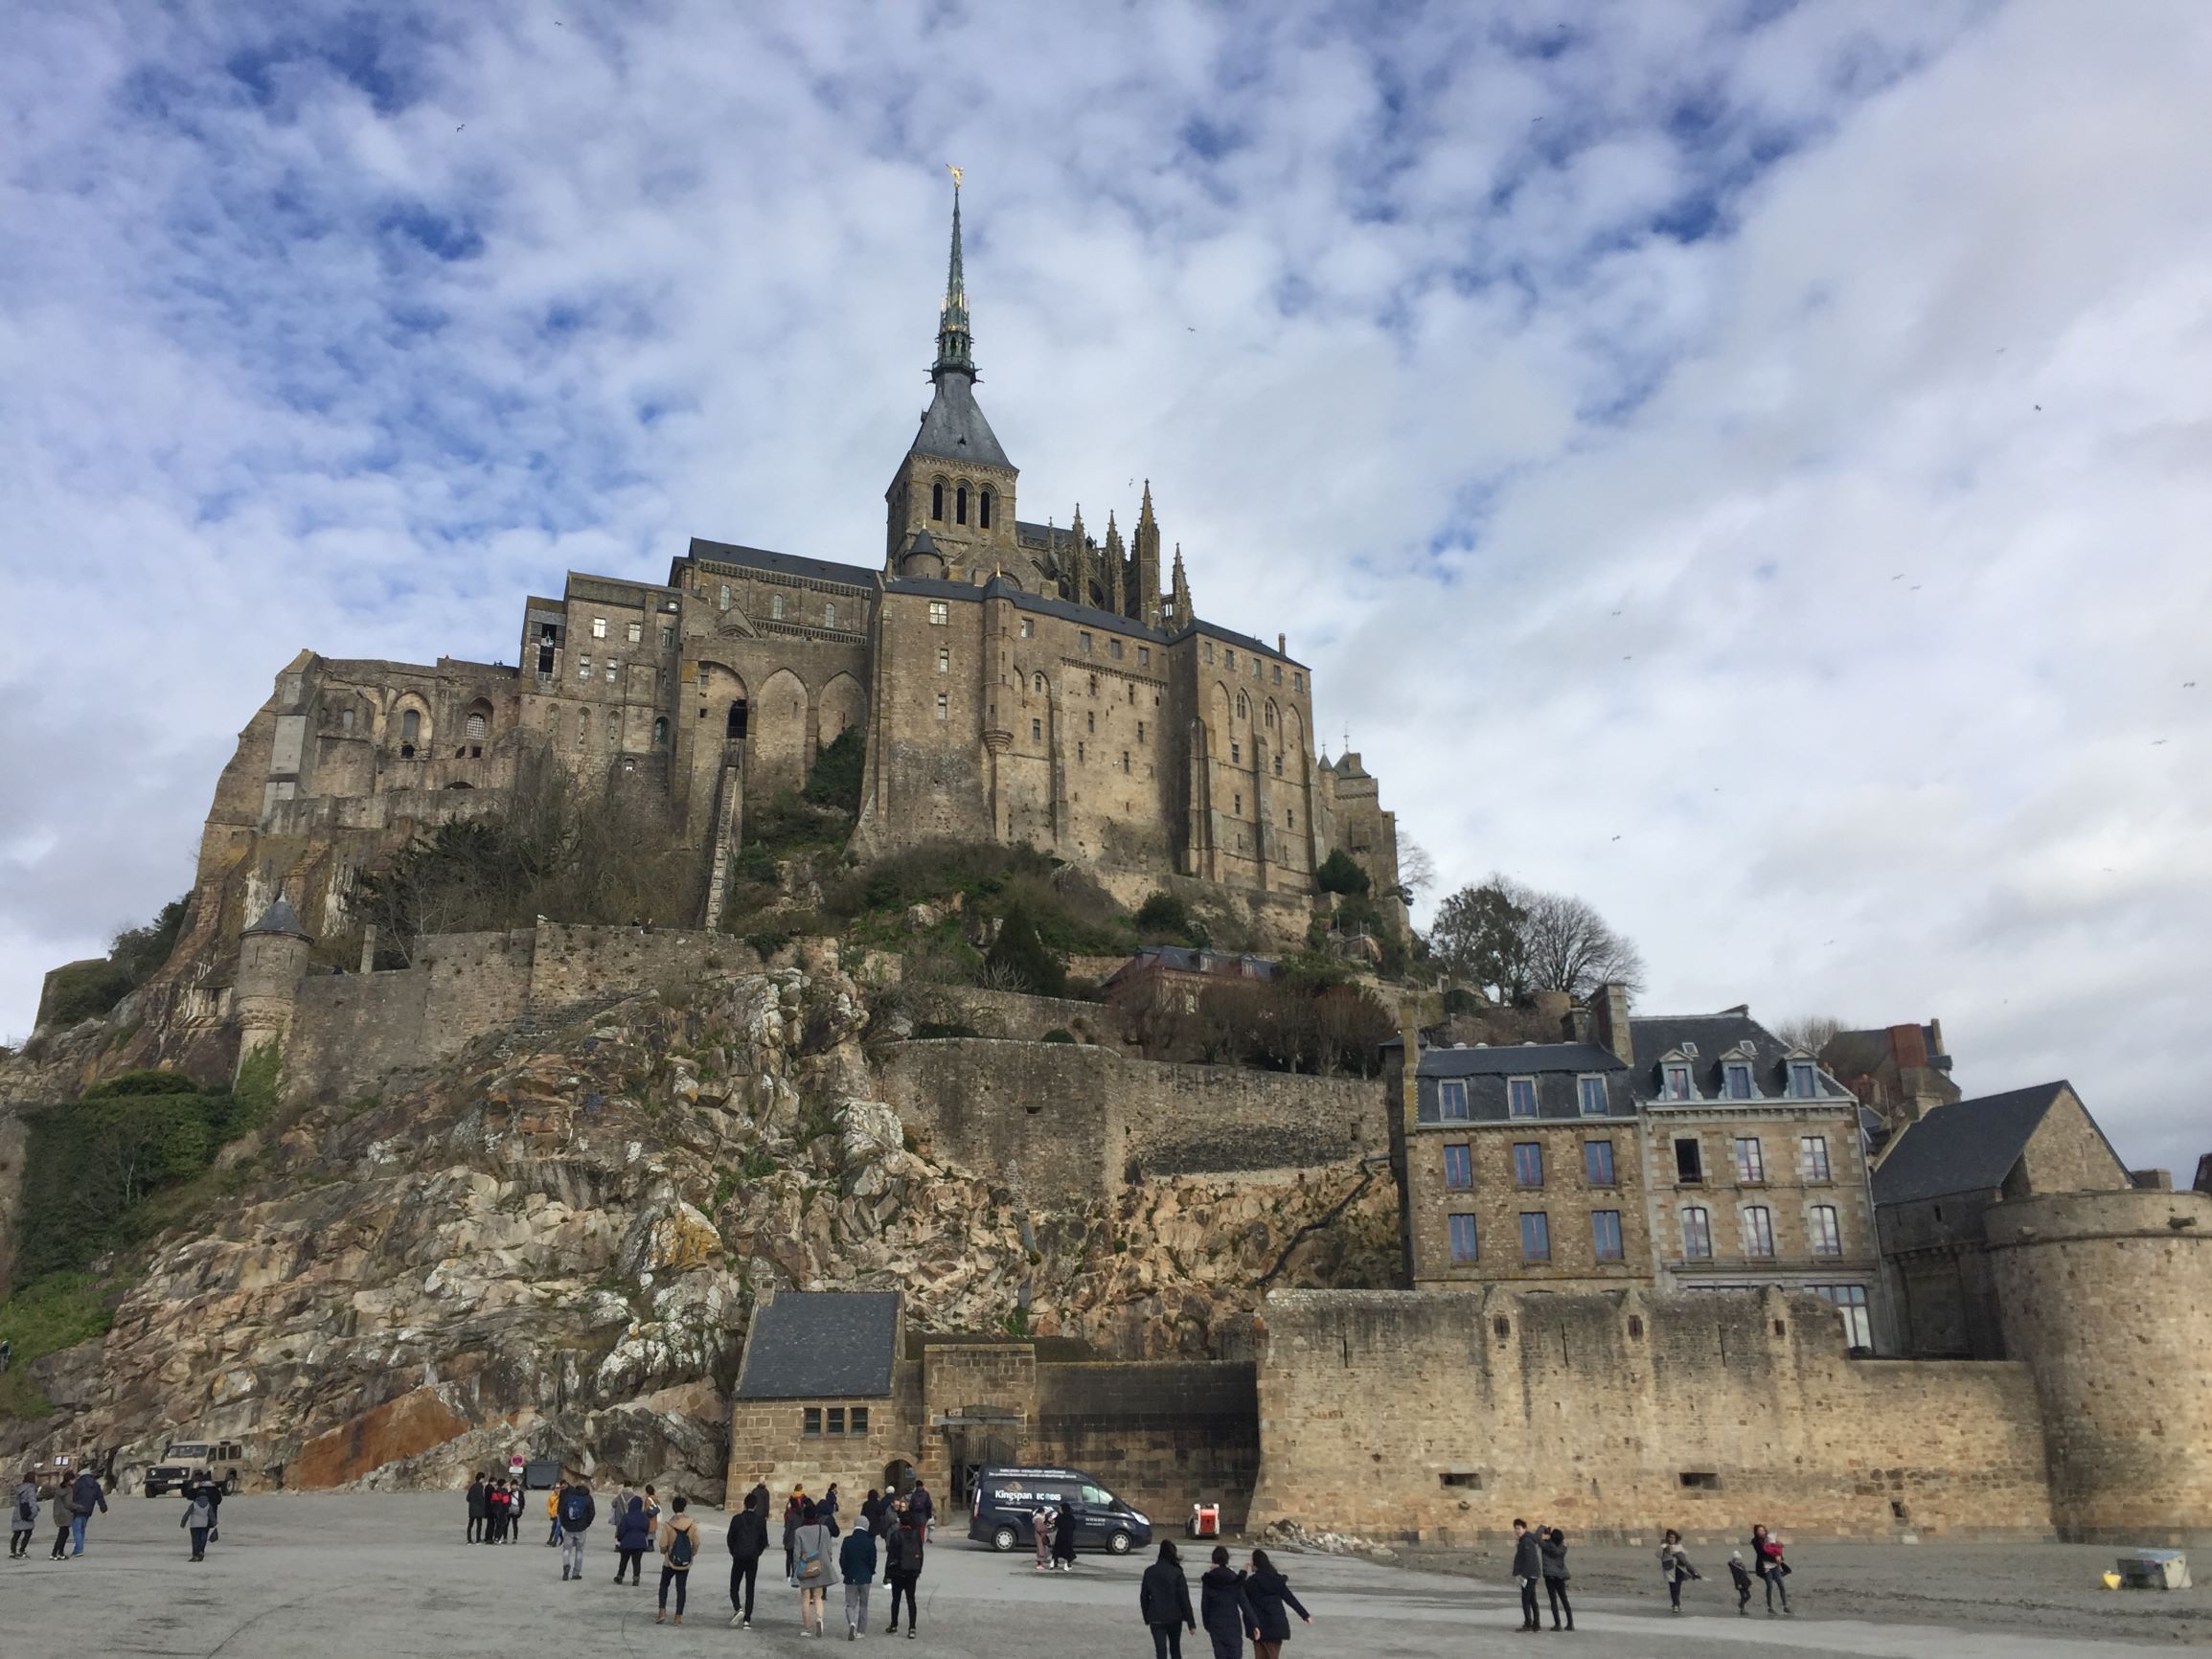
<point>1012,681</point>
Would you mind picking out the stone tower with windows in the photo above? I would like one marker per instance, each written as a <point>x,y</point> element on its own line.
<point>952,505</point>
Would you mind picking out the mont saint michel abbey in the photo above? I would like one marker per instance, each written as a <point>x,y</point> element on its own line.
<point>1013,681</point>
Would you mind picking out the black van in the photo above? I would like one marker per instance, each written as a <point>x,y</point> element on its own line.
<point>1007,1498</point>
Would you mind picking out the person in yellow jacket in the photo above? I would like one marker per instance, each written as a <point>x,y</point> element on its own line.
<point>553,1516</point>
<point>680,1548</point>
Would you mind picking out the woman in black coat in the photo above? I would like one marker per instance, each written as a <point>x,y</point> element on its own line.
<point>1064,1538</point>
<point>1224,1607</point>
<point>1553,1547</point>
<point>1164,1599</point>
<point>1272,1604</point>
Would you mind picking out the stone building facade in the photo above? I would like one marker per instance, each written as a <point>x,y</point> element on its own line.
<point>1678,1153</point>
<point>1013,681</point>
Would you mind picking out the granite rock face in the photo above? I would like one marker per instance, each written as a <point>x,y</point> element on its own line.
<point>554,1246</point>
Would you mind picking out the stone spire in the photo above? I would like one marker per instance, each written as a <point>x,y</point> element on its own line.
<point>1079,560</point>
<point>1145,584</point>
<point>1113,572</point>
<point>1180,595</point>
<point>955,349</point>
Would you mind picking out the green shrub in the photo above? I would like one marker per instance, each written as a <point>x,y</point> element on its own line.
<point>835,778</point>
<point>767,944</point>
<point>143,1082</point>
<point>84,990</point>
<point>1057,1034</point>
<point>1164,918</point>
<point>1338,873</point>
<point>1020,955</point>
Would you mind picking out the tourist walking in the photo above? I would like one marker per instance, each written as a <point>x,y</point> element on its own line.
<point>1554,1551</point>
<point>22,1517</point>
<point>478,1506</point>
<point>574,1519</point>
<point>1064,1528</point>
<point>61,1511</point>
<point>903,1553</point>
<point>1674,1567</point>
<point>1164,1599</point>
<point>1272,1604</point>
<point>748,1543</point>
<point>1527,1571</point>
<point>214,1495</point>
<point>199,1518</point>
<point>813,1567</point>
<point>826,1510</point>
<point>794,1513</point>
<point>633,1532</point>
<point>1767,1562</point>
<point>857,1565</point>
<point>553,1496</point>
<point>1224,1608</point>
<point>1041,1525</point>
<point>680,1548</point>
<point>921,1503</point>
<point>1743,1576</point>
<point>85,1496</point>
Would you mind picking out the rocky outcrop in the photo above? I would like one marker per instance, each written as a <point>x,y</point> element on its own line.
<point>554,1246</point>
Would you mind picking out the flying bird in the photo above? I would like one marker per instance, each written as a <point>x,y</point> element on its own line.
<point>2157,742</point>
<point>2188,685</point>
<point>1616,838</point>
<point>1914,588</point>
<point>463,128</point>
<point>2038,408</point>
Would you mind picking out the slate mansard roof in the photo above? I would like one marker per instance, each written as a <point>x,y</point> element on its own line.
<point>1556,1067</point>
<point>1966,1147</point>
<point>781,563</point>
<point>1703,1040</point>
<point>825,1345</point>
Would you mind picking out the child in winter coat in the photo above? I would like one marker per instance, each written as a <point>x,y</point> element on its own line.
<point>1674,1567</point>
<point>1743,1576</point>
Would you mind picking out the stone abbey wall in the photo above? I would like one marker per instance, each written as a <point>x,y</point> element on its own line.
<point>1443,1416</point>
<point>1162,1435</point>
<point>1073,1120</point>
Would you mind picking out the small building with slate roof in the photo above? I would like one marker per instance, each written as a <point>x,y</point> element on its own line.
<point>1932,1188</point>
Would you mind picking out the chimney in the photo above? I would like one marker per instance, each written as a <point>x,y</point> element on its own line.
<point>1409,1068</point>
<point>1908,1046</point>
<point>1610,1020</point>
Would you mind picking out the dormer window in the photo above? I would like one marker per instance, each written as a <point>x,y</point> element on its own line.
<point>1520,1096</point>
<point>1590,1096</point>
<point>1804,1080</point>
<point>1676,1081</point>
<point>1736,1079</point>
<point>1689,1049</point>
<point>1451,1100</point>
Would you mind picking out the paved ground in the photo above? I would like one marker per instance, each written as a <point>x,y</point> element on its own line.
<point>386,1578</point>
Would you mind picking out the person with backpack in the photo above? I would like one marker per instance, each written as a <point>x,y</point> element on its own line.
<point>633,1534</point>
<point>857,1565</point>
<point>902,1569</point>
<point>1273,1601</point>
<point>1767,1562</point>
<point>85,1495</point>
<point>813,1567</point>
<point>680,1548</point>
<point>1736,1572</point>
<point>23,1518</point>
<point>573,1519</point>
<point>1674,1567</point>
<point>748,1543</point>
<point>199,1517</point>
<point>1554,1550</point>
<point>921,1503</point>
<point>1224,1609</point>
<point>1164,1602</point>
<point>63,1512</point>
<point>795,1515</point>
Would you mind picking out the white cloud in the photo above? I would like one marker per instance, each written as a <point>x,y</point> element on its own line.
<point>1396,322</point>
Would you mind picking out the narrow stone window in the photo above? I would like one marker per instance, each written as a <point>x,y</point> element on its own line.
<point>776,606</point>
<point>583,668</point>
<point>599,627</point>
<point>943,661</point>
<point>859,1420</point>
<point>1029,627</point>
<point>1036,731</point>
<point>810,1419</point>
<point>960,505</point>
<point>944,707</point>
<point>636,632</point>
<point>837,1423</point>
<point>583,727</point>
<point>982,510</point>
<point>829,614</point>
<point>936,502</point>
<point>722,599</point>
<point>668,638</point>
<point>660,731</point>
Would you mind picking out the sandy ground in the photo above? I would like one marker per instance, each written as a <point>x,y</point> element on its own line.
<point>385,1576</point>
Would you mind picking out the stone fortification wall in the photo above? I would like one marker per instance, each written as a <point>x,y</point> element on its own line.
<point>1163,1435</point>
<point>1012,1014</point>
<point>1444,1414</point>
<point>2108,1297</point>
<point>351,1033</point>
<point>1073,1120</point>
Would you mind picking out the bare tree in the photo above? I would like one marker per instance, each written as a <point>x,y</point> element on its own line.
<point>1513,940</point>
<point>1416,870</point>
<point>1810,1031</point>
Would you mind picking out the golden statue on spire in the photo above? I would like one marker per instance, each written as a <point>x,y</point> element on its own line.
<point>956,172</point>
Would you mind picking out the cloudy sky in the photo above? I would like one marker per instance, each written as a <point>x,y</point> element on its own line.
<point>1748,464</point>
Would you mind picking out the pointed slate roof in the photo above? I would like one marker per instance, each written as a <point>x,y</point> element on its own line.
<point>1966,1147</point>
<point>280,917</point>
<point>954,429</point>
<point>822,1344</point>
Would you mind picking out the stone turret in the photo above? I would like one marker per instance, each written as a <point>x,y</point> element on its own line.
<point>2107,1296</point>
<point>272,956</point>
